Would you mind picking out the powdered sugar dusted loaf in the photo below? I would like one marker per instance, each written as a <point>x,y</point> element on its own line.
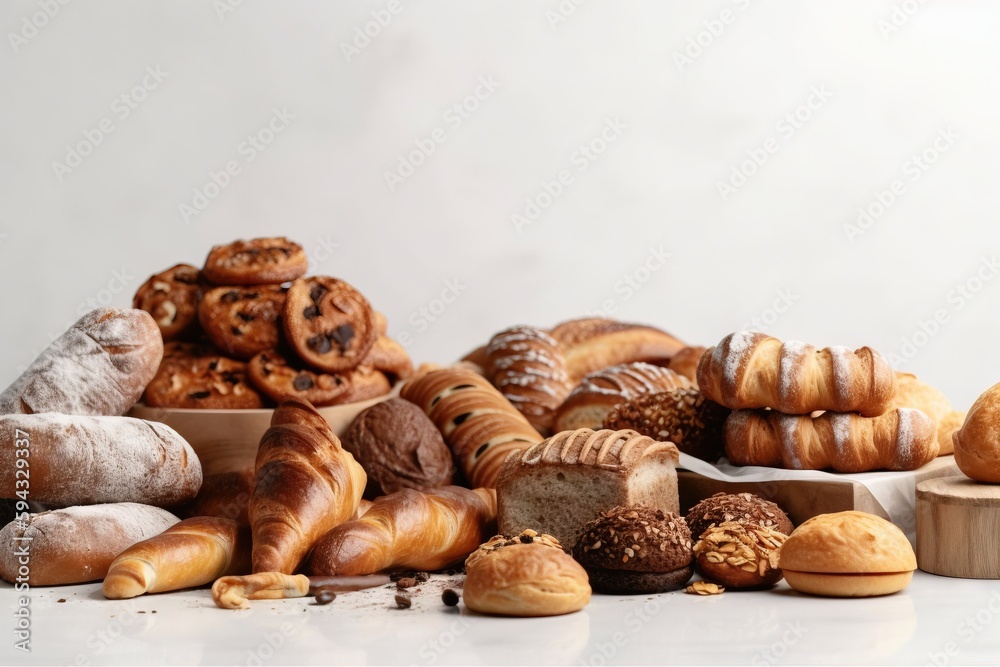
<point>77,544</point>
<point>79,460</point>
<point>562,483</point>
<point>100,366</point>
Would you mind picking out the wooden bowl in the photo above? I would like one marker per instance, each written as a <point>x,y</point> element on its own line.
<point>226,440</point>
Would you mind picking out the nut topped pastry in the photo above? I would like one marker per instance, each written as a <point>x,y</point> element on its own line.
<point>739,507</point>
<point>562,483</point>
<point>629,550</point>
<point>682,415</point>
<point>739,556</point>
<point>171,297</point>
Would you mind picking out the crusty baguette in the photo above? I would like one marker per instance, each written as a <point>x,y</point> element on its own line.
<point>592,344</point>
<point>194,552</point>
<point>409,529</point>
<point>749,369</point>
<point>79,460</point>
<point>75,544</point>
<point>100,366</point>
<point>306,483</point>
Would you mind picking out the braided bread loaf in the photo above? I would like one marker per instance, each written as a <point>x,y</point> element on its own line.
<point>753,370</point>
<point>477,422</point>
<point>528,367</point>
<point>901,439</point>
<point>597,395</point>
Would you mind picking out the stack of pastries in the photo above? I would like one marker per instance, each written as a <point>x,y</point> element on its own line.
<point>803,408</point>
<point>250,329</point>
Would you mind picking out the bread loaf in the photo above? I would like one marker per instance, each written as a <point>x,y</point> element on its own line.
<point>76,544</point>
<point>592,344</point>
<point>100,366</point>
<point>80,460</point>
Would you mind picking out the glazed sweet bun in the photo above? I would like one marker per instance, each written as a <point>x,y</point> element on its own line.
<point>525,575</point>
<point>633,550</point>
<point>847,554</point>
<point>977,443</point>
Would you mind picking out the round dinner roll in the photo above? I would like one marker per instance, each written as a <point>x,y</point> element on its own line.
<point>525,575</point>
<point>847,554</point>
<point>977,443</point>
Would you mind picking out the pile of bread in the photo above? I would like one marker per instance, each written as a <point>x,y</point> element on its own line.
<point>545,461</point>
<point>250,329</point>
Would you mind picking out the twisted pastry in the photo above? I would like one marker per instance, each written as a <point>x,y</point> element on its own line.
<point>477,422</point>
<point>234,592</point>
<point>753,370</point>
<point>527,366</point>
<point>306,484</point>
<point>901,439</point>
<point>410,529</point>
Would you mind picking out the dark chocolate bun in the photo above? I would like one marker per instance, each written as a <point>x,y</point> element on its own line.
<point>743,508</point>
<point>632,550</point>
<point>400,448</point>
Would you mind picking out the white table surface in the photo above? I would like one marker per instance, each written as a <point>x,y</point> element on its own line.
<point>935,621</point>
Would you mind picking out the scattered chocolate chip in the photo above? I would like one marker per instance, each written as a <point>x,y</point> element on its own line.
<point>235,330</point>
<point>319,344</point>
<point>246,317</point>
<point>310,312</point>
<point>325,597</point>
<point>230,297</point>
<point>449,597</point>
<point>406,582</point>
<point>479,452</point>
<point>457,421</point>
<point>302,382</point>
<point>343,335</point>
<point>317,292</point>
<point>199,394</point>
<point>140,612</point>
<point>61,600</point>
<point>403,601</point>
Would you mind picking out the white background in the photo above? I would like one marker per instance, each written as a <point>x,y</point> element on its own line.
<point>72,237</point>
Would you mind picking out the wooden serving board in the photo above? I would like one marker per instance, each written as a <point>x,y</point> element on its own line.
<point>958,528</point>
<point>804,499</point>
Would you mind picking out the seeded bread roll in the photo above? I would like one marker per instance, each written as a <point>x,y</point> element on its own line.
<point>745,508</point>
<point>562,483</point>
<point>100,366</point>
<point>526,575</point>
<point>75,544</point>
<point>634,550</point>
<point>683,416</point>
<point>739,556</point>
<point>78,460</point>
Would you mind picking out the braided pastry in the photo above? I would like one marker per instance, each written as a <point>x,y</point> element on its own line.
<point>902,439</point>
<point>753,370</point>
<point>477,422</point>
<point>597,395</point>
<point>527,366</point>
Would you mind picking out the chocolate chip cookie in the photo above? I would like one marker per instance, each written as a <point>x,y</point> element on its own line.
<point>281,376</point>
<point>194,375</point>
<point>171,297</point>
<point>328,323</point>
<point>243,321</point>
<point>256,262</point>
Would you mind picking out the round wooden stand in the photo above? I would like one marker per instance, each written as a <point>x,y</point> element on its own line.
<point>958,524</point>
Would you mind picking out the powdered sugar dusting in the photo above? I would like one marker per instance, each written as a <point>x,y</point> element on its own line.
<point>100,366</point>
<point>841,425</point>
<point>788,426</point>
<point>739,348</point>
<point>905,435</point>
<point>60,538</point>
<point>842,361</point>
<point>83,460</point>
<point>792,367</point>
